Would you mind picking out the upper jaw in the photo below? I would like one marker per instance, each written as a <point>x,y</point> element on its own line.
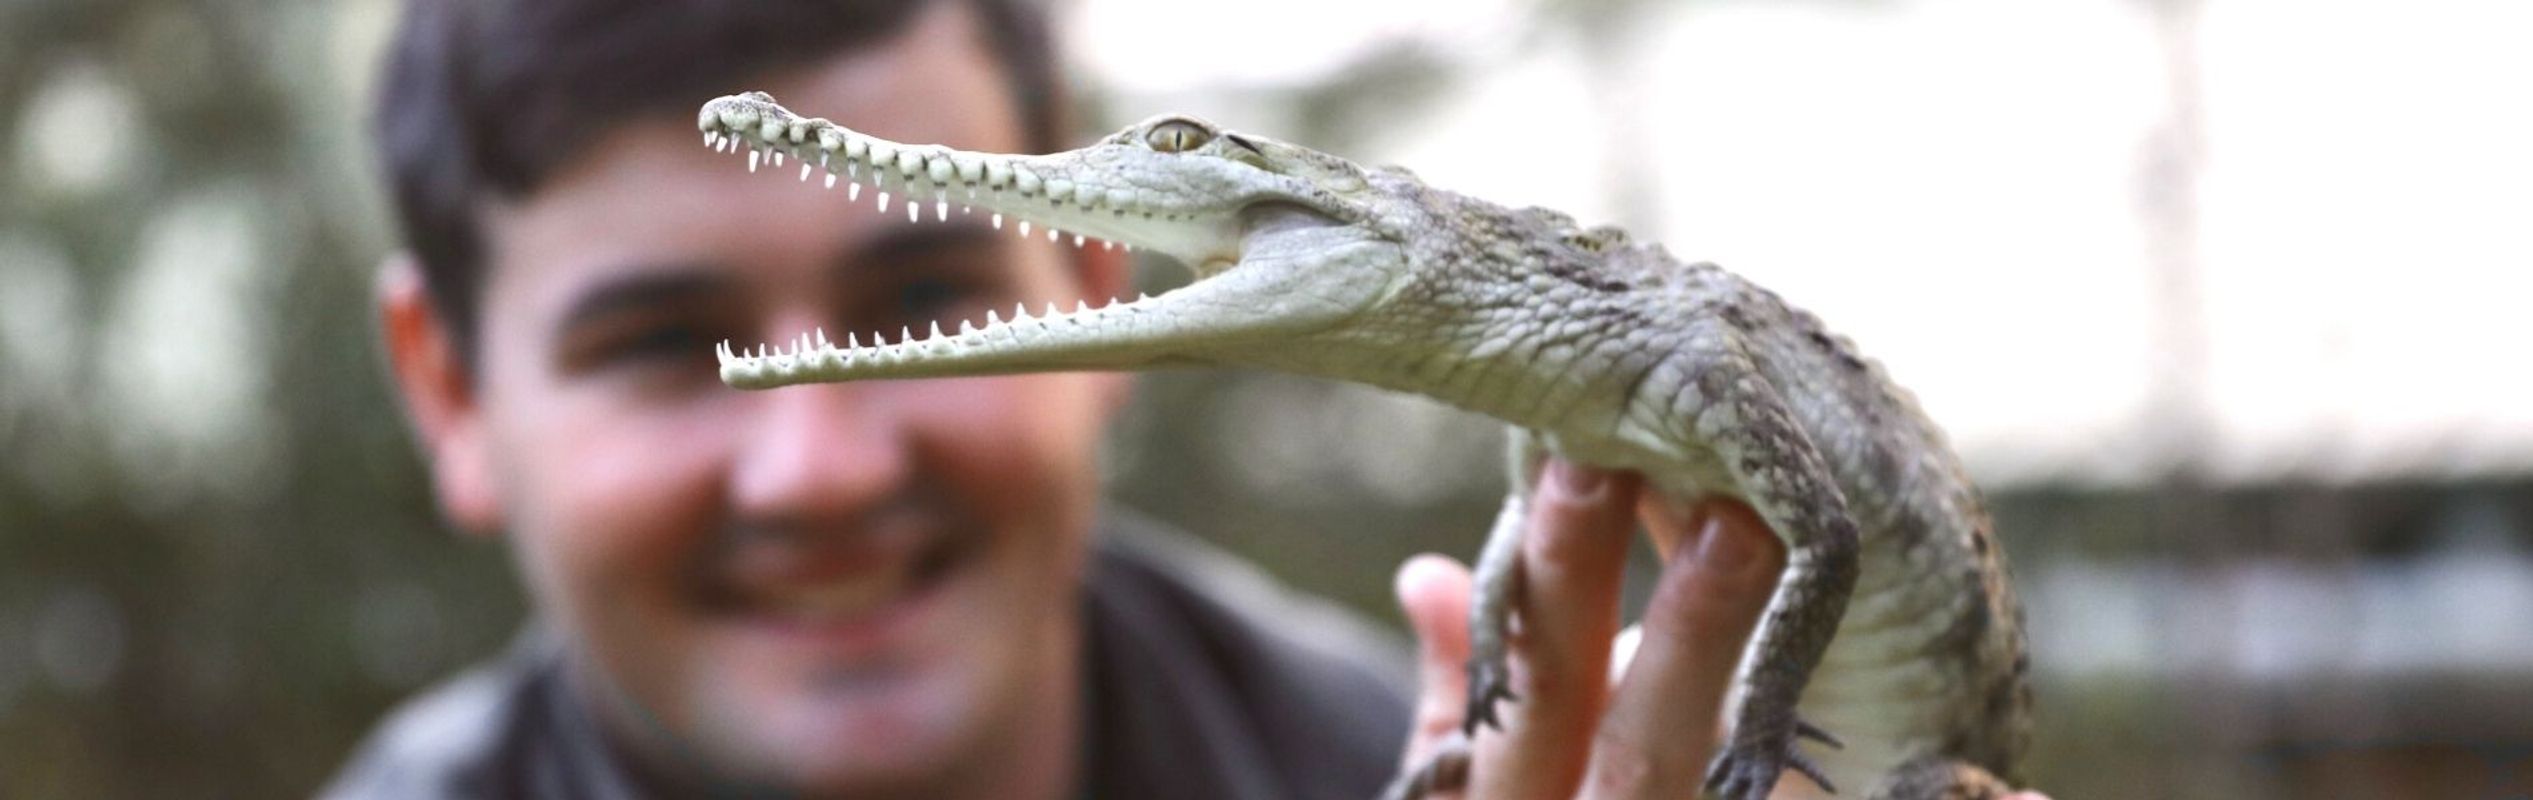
<point>1095,193</point>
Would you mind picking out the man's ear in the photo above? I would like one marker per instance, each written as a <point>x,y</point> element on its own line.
<point>1108,274</point>
<point>439,396</point>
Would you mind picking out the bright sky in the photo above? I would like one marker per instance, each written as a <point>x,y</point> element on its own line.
<point>1957,185</point>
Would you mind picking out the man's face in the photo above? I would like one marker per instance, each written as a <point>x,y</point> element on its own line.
<point>834,586</point>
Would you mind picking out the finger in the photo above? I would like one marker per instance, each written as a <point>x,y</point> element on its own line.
<point>1662,722</point>
<point>1669,522</point>
<point>1574,551</point>
<point>1434,592</point>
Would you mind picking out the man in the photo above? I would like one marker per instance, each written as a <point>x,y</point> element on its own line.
<point>898,588</point>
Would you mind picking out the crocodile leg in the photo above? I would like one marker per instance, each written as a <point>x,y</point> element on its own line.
<point>1785,479</point>
<point>1498,579</point>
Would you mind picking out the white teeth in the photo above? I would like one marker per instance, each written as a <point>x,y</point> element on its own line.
<point>941,210</point>
<point>856,150</point>
<point>804,170</point>
<point>777,158</point>
<point>941,170</point>
<point>998,220</point>
<point>1077,240</point>
<point>753,155</point>
<point>909,162</point>
<point>1024,180</point>
<point>831,180</point>
<point>997,173</point>
<point>1107,245</point>
<point>914,213</point>
<point>1052,233</point>
<point>883,202</point>
<point>853,193</point>
<point>839,600</point>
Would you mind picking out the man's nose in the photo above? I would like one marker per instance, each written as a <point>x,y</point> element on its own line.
<point>817,454</point>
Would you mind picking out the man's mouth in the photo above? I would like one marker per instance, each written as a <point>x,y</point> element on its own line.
<point>825,584</point>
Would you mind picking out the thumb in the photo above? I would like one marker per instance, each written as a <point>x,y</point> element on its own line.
<point>1434,591</point>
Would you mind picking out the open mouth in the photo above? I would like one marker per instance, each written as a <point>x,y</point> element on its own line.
<point>1063,197</point>
<point>809,585</point>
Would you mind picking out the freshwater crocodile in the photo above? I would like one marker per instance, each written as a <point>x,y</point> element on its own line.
<point>1893,636</point>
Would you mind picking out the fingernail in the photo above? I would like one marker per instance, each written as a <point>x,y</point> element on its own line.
<point>1582,483</point>
<point>1723,551</point>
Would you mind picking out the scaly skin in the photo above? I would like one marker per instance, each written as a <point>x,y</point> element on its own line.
<point>1893,626</point>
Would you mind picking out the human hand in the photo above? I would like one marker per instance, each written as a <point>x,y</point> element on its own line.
<point>1574,732</point>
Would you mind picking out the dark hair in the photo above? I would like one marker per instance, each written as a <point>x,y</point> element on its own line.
<point>485,99</point>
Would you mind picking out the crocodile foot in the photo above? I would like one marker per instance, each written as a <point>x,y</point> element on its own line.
<point>1445,772</point>
<point>1489,682</point>
<point>1748,766</point>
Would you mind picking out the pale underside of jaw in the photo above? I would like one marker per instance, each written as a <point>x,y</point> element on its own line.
<point>1120,335</point>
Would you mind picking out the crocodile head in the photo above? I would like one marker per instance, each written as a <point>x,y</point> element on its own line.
<point>1284,241</point>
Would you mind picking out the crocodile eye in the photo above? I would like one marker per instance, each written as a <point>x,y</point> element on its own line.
<point>1177,135</point>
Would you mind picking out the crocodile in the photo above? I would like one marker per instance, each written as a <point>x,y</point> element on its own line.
<point>1893,638</point>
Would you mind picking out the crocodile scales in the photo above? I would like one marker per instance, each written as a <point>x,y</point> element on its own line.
<point>1893,637</point>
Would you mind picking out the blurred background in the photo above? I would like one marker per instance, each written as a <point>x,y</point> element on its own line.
<point>2223,301</point>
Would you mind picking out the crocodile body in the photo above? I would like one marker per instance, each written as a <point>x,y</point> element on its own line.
<point>1893,628</point>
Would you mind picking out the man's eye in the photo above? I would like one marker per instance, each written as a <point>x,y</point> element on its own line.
<point>919,302</point>
<point>646,345</point>
<point>667,340</point>
<point>927,298</point>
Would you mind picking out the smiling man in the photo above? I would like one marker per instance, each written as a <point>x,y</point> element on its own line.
<point>872,590</point>
<point>890,589</point>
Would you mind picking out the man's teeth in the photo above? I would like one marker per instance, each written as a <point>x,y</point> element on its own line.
<point>837,600</point>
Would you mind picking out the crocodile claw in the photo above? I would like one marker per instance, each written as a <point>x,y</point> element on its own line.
<point>1489,682</point>
<point>1813,732</point>
<point>1747,768</point>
